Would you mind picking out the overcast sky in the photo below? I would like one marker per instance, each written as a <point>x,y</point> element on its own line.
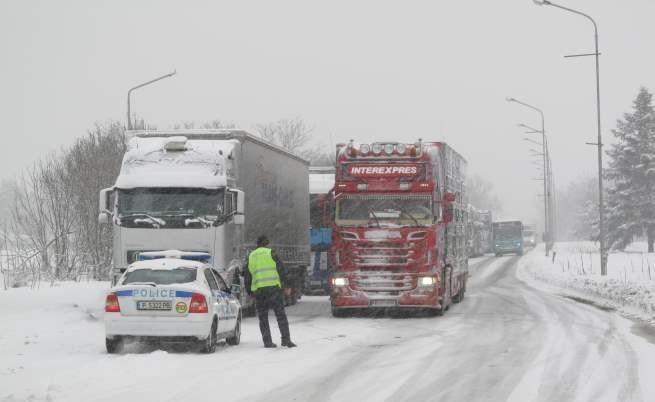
<point>366,70</point>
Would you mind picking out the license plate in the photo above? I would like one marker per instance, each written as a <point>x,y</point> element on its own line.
<point>154,305</point>
<point>317,283</point>
<point>383,303</point>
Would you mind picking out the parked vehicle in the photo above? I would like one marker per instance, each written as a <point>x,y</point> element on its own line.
<point>172,300</point>
<point>508,237</point>
<point>212,191</point>
<point>399,227</point>
<point>529,235</point>
<point>321,183</point>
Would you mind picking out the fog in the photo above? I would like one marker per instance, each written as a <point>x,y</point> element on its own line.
<point>374,70</point>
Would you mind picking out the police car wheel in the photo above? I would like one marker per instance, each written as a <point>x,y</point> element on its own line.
<point>208,345</point>
<point>114,345</point>
<point>236,337</point>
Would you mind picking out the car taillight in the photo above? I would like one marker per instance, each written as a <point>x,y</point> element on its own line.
<point>198,304</point>
<point>111,304</point>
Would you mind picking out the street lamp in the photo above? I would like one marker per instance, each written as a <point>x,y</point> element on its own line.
<point>599,143</point>
<point>129,93</point>
<point>544,154</point>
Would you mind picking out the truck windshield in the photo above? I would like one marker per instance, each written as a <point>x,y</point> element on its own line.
<point>384,210</point>
<point>169,207</point>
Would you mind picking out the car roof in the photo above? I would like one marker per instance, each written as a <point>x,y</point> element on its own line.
<point>167,263</point>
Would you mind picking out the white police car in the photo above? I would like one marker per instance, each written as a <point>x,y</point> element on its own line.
<point>171,300</point>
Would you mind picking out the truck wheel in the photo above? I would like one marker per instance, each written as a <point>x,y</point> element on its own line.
<point>235,339</point>
<point>114,345</point>
<point>208,345</point>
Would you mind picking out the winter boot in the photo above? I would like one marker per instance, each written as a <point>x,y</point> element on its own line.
<point>288,343</point>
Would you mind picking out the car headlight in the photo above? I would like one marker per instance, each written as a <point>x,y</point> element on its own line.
<point>340,281</point>
<point>426,280</point>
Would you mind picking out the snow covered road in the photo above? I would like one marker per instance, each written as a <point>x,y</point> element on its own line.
<point>505,341</point>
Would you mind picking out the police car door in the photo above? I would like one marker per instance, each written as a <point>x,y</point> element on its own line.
<point>218,304</point>
<point>230,301</point>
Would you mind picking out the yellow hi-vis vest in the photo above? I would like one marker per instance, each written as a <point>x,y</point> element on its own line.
<point>263,269</point>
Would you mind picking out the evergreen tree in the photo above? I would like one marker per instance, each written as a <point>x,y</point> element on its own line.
<point>631,176</point>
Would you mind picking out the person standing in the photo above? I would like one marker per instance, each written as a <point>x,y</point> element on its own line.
<point>262,278</point>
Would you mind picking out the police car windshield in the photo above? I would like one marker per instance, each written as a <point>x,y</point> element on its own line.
<point>160,276</point>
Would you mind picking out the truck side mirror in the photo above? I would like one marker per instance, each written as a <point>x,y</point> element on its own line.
<point>239,217</point>
<point>447,214</point>
<point>103,205</point>
<point>327,208</point>
<point>447,209</point>
<point>103,218</point>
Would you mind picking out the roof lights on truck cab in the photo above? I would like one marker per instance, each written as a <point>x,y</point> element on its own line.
<point>383,149</point>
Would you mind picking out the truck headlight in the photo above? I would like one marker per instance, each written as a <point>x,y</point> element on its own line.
<point>340,281</point>
<point>426,281</point>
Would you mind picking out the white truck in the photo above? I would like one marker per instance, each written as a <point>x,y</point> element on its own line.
<point>211,191</point>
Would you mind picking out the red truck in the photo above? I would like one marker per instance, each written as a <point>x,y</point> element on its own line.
<point>398,227</point>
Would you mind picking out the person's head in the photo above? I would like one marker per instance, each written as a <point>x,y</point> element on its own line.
<point>262,241</point>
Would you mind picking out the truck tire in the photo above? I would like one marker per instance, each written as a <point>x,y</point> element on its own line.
<point>114,345</point>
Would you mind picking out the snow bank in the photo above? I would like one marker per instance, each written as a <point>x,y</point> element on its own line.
<point>629,286</point>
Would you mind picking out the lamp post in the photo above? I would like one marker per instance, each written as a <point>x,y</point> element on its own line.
<point>129,93</point>
<point>599,143</point>
<point>545,169</point>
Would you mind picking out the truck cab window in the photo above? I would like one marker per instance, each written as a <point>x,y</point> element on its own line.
<point>169,207</point>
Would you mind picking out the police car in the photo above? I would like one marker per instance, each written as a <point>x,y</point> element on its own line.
<point>166,299</point>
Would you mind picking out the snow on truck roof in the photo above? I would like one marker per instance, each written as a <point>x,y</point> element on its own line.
<point>182,158</point>
<point>174,161</point>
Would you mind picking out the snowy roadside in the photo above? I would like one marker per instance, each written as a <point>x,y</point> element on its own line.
<point>629,286</point>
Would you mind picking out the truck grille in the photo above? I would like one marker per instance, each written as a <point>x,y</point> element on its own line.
<point>382,281</point>
<point>380,254</point>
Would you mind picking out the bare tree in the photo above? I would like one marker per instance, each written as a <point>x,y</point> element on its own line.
<point>93,163</point>
<point>291,134</point>
<point>481,194</point>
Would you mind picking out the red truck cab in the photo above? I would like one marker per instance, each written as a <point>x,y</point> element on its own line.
<point>398,227</point>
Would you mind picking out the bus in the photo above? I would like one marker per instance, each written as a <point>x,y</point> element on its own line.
<point>508,237</point>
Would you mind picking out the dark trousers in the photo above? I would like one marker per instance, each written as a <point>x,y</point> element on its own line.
<point>271,298</point>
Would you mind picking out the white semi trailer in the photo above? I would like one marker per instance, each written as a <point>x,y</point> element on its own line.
<point>209,191</point>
